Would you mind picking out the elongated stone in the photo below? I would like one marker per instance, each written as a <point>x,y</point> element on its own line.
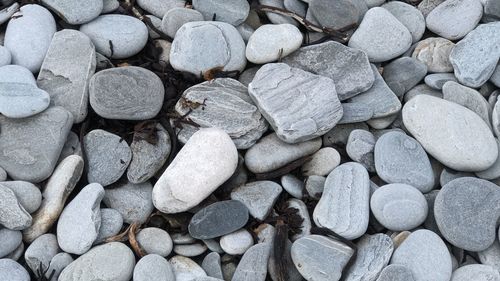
<point>396,272</point>
<point>75,12</point>
<point>253,264</point>
<point>185,269</point>
<point>20,100</point>
<point>66,71</point>
<point>28,194</point>
<point>344,205</point>
<point>234,12</point>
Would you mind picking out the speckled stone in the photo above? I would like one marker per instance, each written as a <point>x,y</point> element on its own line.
<point>453,19</point>
<point>185,269</point>
<point>403,74</point>
<point>258,196</point>
<point>155,241</point>
<point>13,271</point>
<point>233,12</point>
<point>322,162</point>
<point>132,201</point>
<point>39,254</point>
<point>360,146</point>
<point>153,268</point>
<point>270,42</point>
<point>434,52</point>
<point>253,264</point>
<point>176,17</point>
<point>409,16</point>
<point>28,194</point>
<point>12,215</point>
<point>476,272</point>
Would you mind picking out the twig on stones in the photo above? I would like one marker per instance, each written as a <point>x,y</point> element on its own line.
<point>134,228</point>
<point>283,170</point>
<point>129,6</point>
<point>121,237</point>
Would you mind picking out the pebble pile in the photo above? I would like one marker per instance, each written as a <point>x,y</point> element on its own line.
<point>250,140</point>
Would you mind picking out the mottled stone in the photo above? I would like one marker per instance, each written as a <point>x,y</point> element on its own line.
<point>111,224</point>
<point>212,265</point>
<point>437,80</point>
<point>253,264</point>
<point>28,194</point>
<point>468,98</point>
<point>434,52</point>
<point>12,214</point>
<point>270,42</point>
<point>233,12</point>
<point>176,17</point>
<point>185,269</point>
<point>154,240</point>
<point>409,16</point>
<point>335,14</point>
<point>11,239</point>
<point>39,254</point>
<point>13,271</point>
<point>160,7</point>
<point>453,19</point>
<point>132,201</point>
<point>360,146</point>
<point>259,197</point>
<point>403,74</point>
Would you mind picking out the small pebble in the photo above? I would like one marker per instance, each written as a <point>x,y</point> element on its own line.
<point>409,16</point>
<point>153,267</point>
<point>111,224</point>
<point>236,243</point>
<point>422,89</point>
<point>176,17</point>
<point>437,80</point>
<point>259,197</point>
<point>11,239</point>
<point>271,42</point>
<point>75,12</point>
<point>19,100</point>
<point>155,241</point>
<point>403,74</point>
<point>12,215</point>
<point>212,265</point>
<point>314,186</point>
<point>292,185</point>
<point>339,135</point>
<point>132,201</point>
<point>13,271</point>
<point>233,12</point>
<point>453,19</point>
<point>360,146</point>
<point>434,52</point>
<point>185,269</point>
<point>253,264</point>
<point>40,253</point>
<point>191,250</point>
<point>396,272</point>
<point>322,162</point>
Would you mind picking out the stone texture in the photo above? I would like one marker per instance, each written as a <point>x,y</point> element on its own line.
<point>434,52</point>
<point>132,201</point>
<point>111,224</point>
<point>409,16</point>
<point>176,17</point>
<point>75,12</point>
<point>437,80</point>
<point>396,272</point>
<point>236,243</point>
<point>185,269</point>
<point>72,146</point>
<point>153,268</point>
<point>277,18</point>
<point>160,7</point>
<point>259,197</point>
<point>339,135</point>
<point>335,14</point>
<point>347,67</point>
<point>11,239</point>
<point>492,172</point>
<point>39,254</point>
<point>28,194</point>
<point>13,271</point>
<point>421,89</point>
<point>253,264</point>
<point>344,205</point>
<point>7,12</point>
<point>314,186</point>
<point>66,71</point>
<point>468,98</point>
<point>233,12</point>
<point>299,105</point>
<point>491,256</point>
<point>355,113</point>
<point>57,264</point>
<point>477,272</point>
<point>270,42</point>
<point>322,162</point>
<point>453,19</point>
<point>303,212</point>
<point>292,185</point>
<point>403,74</point>
<point>360,146</point>
<point>20,100</point>
<point>212,265</point>
<point>155,240</point>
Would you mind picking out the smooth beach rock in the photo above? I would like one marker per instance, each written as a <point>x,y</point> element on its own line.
<point>453,19</point>
<point>154,240</point>
<point>30,146</point>
<point>59,186</point>
<point>20,100</point>
<point>16,74</point>
<point>476,148</point>
<point>434,52</point>
<point>477,272</point>
<point>259,197</point>
<point>111,262</point>
<point>28,194</point>
<point>233,12</point>
<point>360,146</point>
<point>320,258</point>
<point>109,6</point>
<point>7,12</point>
<point>13,271</point>
<point>79,223</point>
<point>236,243</point>
<point>66,71</point>
<point>396,272</point>
<point>492,172</point>
<point>223,103</point>
<point>190,178</point>
<point>153,267</point>
<point>195,40</point>
<point>468,98</point>
<point>335,14</point>
<point>399,206</point>
<point>108,156</point>
<point>5,56</point>
<point>355,113</point>
<point>381,35</point>
<point>292,185</point>
<point>127,93</point>
<point>75,12</point>
<point>111,224</point>
<point>422,89</point>
<point>116,36</point>
<point>176,17</point>
<point>458,203</point>
<point>132,201</point>
<point>185,269</point>
<point>57,264</point>
<point>474,58</point>
<point>28,36</point>
<point>448,175</point>
<point>253,264</point>
<point>349,68</point>
<point>160,7</point>
<point>426,255</point>
<point>303,212</point>
<point>437,80</point>
<point>409,16</point>
<point>298,117</point>
<point>344,205</point>
<point>401,159</point>
<point>277,18</point>
<point>339,135</point>
<point>11,239</point>
<point>218,219</point>
<point>403,74</point>
<point>322,162</point>
<point>271,42</point>
<point>314,186</point>
<point>190,250</point>
<point>212,265</point>
<point>39,254</point>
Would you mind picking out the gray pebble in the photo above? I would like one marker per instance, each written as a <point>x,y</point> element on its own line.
<point>297,6</point>
<point>33,143</point>
<point>453,19</point>
<point>286,113</point>
<point>434,52</point>
<point>132,201</point>
<point>448,175</point>
<point>247,75</point>
<point>5,56</point>
<point>270,42</point>
<point>66,71</point>
<point>156,22</point>
<point>347,67</point>
<point>476,272</point>
<point>292,185</point>
<point>57,264</point>
<point>109,6</point>
<point>17,253</point>
<point>344,206</point>
<point>191,250</point>
<point>246,31</point>
<point>182,238</point>
<point>39,254</point>
<point>111,35</point>
<point>75,12</point>
<point>176,17</point>
<point>409,16</point>
<point>422,89</point>
<point>253,264</point>
<point>7,12</point>
<point>111,224</point>
<point>491,256</point>
<point>11,239</point>
<point>153,267</point>
<point>225,104</point>
<point>495,77</point>
<point>28,194</point>
<point>292,274</point>
<point>108,156</point>
<point>430,221</point>
<point>13,271</point>
<point>259,197</point>
<point>160,7</point>
<point>339,135</point>
<point>72,146</point>
<point>426,6</point>
<point>12,215</point>
<point>492,172</point>
<point>16,74</point>
<point>456,206</point>
<point>20,100</point>
<point>79,223</point>
<point>3,174</point>
<point>381,35</point>
<point>475,57</point>
<point>271,153</point>
<point>185,269</point>
<point>155,241</point>
<point>335,14</point>
<point>111,262</point>
<point>404,73</point>
<point>212,265</point>
<point>322,162</point>
<point>233,12</point>
<point>236,243</point>
<point>467,97</point>
<point>303,212</point>
<point>401,159</point>
<point>28,36</point>
<point>437,80</point>
<point>374,253</point>
<point>426,255</point>
<point>194,40</point>
<point>360,146</point>
<point>314,186</point>
<point>396,272</point>
<point>274,17</point>
<point>379,97</point>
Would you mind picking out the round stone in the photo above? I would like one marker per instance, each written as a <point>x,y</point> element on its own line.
<point>271,42</point>
<point>437,80</point>
<point>27,194</point>
<point>153,268</point>
<point>111,224</point>
<point>159,8</point>
<point>13,271</point>
<point>185,269</point>
<point>453,19</point>
<point>190,250</point>
<point>236,243</point>
<point>396,272</point>
<point>40,253</point>
<point>434,52</point>
<point>177,17</point>
<point>292,185</point>
<point>155,241</point>
<point>75,12</point>
<point>132,201</point>
<point>322,162</point>
<point>232,12</point>
<point>12,215</point>
<point>409,16</point>
<point>11,239</point>
<point>476,272</point>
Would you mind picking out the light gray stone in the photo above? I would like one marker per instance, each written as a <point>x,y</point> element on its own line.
<point>495,114</point>
<point>458,204</point>
<point>7,12</point>
<point>12,214</point>
<point>448,175</point>
<point>108,156</point>
<point>322,162</point>
<point>426,6</point>
<point>111,224</point>
<point>111,35</point>
<point>66,71</point>
<point>335,14</point>
<point>355,112</point>
<point>39,254</point>
<point>72,146</point>
<point>491,256</point>
<point>258,196</point>
<point>468,98</point>
<point>271,153</point>
<point>11,239</point>
<point>212,265</point>
<point>28,194</point>
<point>17,253</point>
<point>344,205</point>
<point>477,272</point>
<point>236,243</point>
<point>190,250</point>
<point>20,100</point>
<point>111,262</point>
<point>374,253</point>
<point>274,17</point>
<point>409,16</point>
<point>339,135</point>
<point>314,186</point>
<point>16,74</point>
<point>475,150</point>
<point>381,35</point>
<point>201,46</point>
<point>396,272</point>
<point>270,42</point>
<point>3,174</point>
<point>185,269</point>
<point>434,52</point>
<point>404,73</point>
<point>246,31</point>
<point>311,111</point>
<point>253,264</point>
<point>109,6</point>
<point>297,6</point>
<point>176,17</point>
<point>360,147</point>
<point>5,56</point>
<point>160,7</point>
<point>153,267</point>
<point>347,67</point>
<point>57,264</point>
<point>492,172</point>
<point>453,19</point>
<point>132,201</point>
<point>437,80</point>
<point>401,159</point>
<point>80,221</point>
<point>422,89</point>
<point>75,12</point>
<point>320,258</point>
<point>190,178</point>
<point>223,103</point>
<point>13,271</point>
<point>28,36</point>
<point>292,185</point>
<point>155,241</point>
<point>379,97</point>
<point>233,12</point>
<point>475,57</point>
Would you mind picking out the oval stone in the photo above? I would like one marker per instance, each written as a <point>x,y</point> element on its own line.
<point>75,12</point>
<point>153,268</point>
<point>271,42</point>
<point>20,100</point>
<point>453,19</point>
<point>454,135</point>
<point>218,219</point>
<point>13,271</point>
<point>476,272</point>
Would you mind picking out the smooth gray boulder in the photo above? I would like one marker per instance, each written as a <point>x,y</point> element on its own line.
<point>271,42</point>
<point>454,19</point>
<point>468,98</point>
<point>11,239</point>
<point>212,265</point>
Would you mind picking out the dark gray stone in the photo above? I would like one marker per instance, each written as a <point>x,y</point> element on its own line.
<point>212,265</point>
<point>176,17</point>
<point>360,146</point>
<point>335,14</point>
<point>132,201</point>
<point>339,135</point>
<point>396,272</point>
<point>403,74</point>
<point>355,112</point>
